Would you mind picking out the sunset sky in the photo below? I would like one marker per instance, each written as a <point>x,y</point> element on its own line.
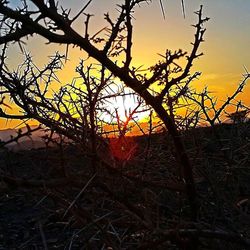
<point>226,48</point>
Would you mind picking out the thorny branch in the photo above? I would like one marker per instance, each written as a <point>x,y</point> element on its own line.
<point>73,111</point>
<point>62,22</point>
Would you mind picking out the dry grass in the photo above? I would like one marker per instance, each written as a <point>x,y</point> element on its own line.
<point>129,204</point>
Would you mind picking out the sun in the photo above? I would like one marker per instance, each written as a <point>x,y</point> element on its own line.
<point>124,106</point>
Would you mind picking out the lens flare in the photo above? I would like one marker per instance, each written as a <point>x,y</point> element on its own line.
<point>123,148</point>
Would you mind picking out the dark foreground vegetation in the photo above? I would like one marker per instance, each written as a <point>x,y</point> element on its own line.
<point>180,190</point>
<point>50,198</point>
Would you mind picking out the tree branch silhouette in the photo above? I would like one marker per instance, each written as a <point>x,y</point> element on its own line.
<point>29,23</point>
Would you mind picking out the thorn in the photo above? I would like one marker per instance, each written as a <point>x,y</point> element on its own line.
<point>245,68</point>
<point>183,9</point>
<point>162,9</point>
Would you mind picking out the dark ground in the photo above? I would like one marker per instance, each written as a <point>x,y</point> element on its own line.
<point>49,201</point>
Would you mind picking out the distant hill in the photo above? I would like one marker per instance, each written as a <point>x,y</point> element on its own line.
<point>24,143</point>
<point>7,133</point>
<point>35,141</point>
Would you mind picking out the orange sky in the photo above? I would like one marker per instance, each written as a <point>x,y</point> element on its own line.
<point>226,46</point>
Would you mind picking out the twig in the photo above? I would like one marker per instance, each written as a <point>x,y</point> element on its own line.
<point>79,194</point>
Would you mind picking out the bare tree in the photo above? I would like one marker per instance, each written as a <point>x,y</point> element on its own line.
<point>75,109</point>
<point>48,21</point>
<point>211,111</point>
